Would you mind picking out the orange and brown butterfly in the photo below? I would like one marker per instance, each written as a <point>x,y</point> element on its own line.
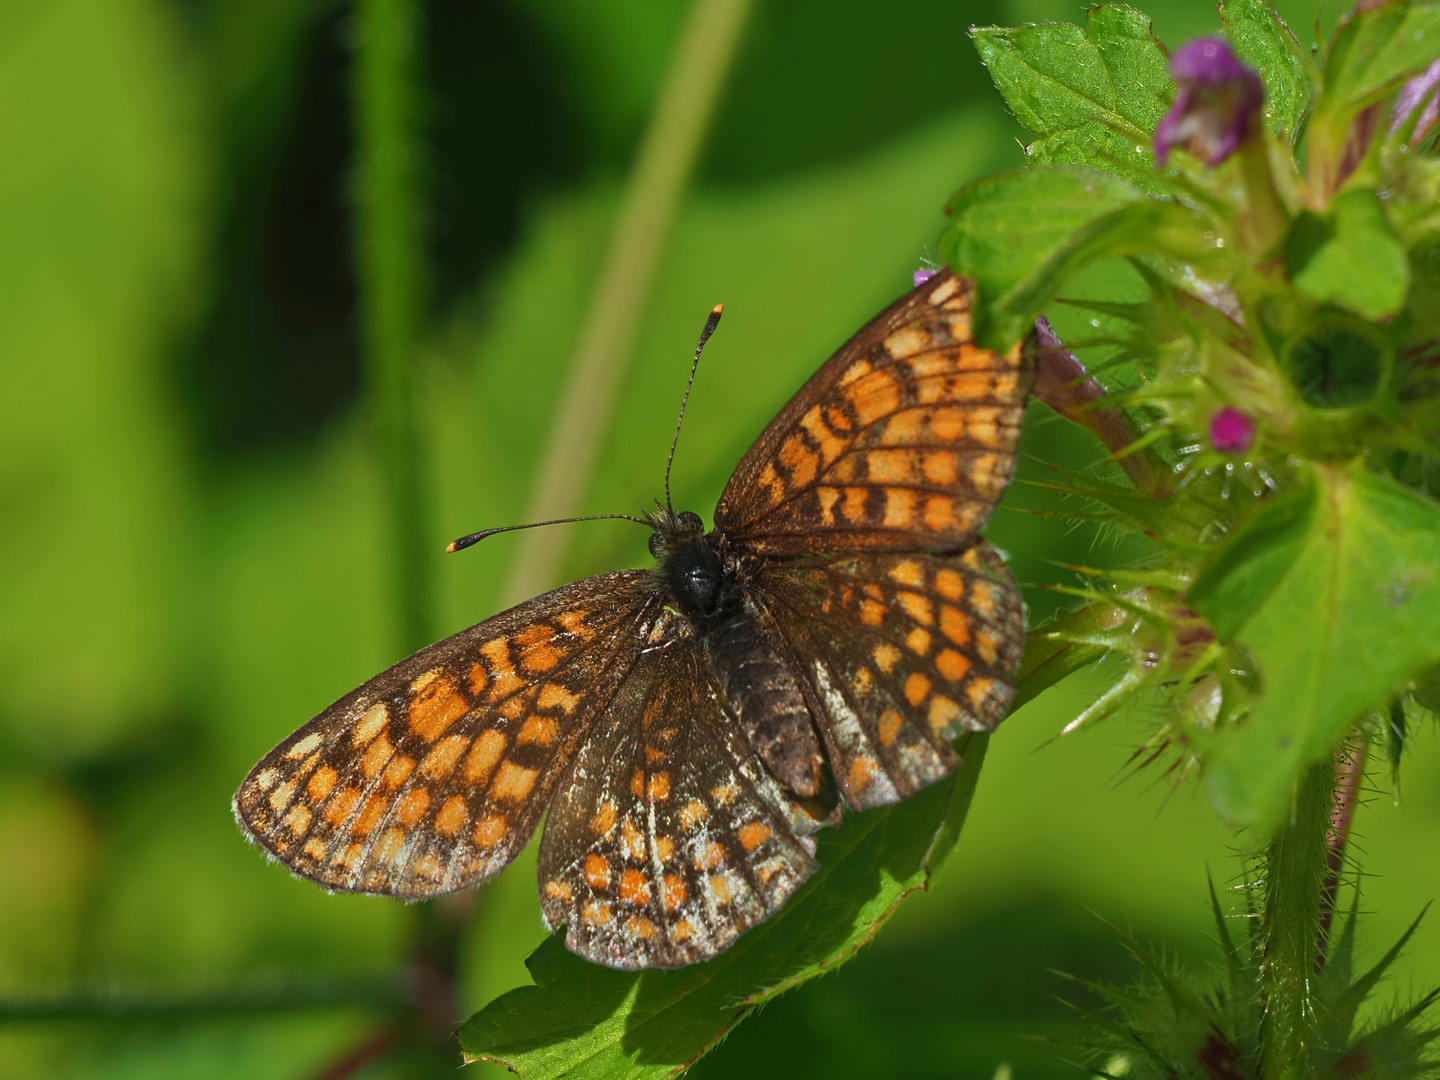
<point>686,729</point>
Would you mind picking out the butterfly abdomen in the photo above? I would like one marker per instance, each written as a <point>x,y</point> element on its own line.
<point>763,695</point>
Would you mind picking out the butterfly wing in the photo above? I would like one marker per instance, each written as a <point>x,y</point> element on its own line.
<point>904,439</point>
<point>667,838</point>
<point>904,652</point>
<point>432,775</point>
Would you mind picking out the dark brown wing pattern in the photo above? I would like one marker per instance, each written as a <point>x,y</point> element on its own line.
<point>904,652</point>
<point>667,838</point>
<point>433,775</point>
<point>904,439</point>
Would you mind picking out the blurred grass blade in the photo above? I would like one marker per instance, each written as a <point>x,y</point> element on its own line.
<point>390,263</point>
<point>652,196</point>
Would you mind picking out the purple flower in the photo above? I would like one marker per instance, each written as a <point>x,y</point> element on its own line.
<point>1217,104</point>
<point>923,275</point>
<point>1419,91</point>
<point>1231,431</point>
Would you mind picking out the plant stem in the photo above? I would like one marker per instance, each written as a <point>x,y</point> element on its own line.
<point>1349,771</point>
<point>652,196</point>
<point>389,263</point>
<point>1296,868</point>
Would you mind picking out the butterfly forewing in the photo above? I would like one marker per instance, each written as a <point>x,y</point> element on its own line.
<point>905,438</point>
<point>433,775</point>
<point>904,652</point>
<point>667,838</point>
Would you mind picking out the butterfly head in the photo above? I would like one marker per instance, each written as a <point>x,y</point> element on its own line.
<point>691,566</point>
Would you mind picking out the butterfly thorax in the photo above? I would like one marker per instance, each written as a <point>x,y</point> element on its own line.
<point>704,582</point>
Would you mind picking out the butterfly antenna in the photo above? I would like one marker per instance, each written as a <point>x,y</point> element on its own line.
<point>475,537</point>
<point>710,324</point>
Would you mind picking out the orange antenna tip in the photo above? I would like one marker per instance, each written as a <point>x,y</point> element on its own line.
<point>717,309</point>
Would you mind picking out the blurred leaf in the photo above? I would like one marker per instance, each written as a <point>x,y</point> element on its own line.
<point>1374,51</point>
<point>1352,615</point>
<point>584,1020</point>
<point>1093,96</point>
<point>1261,40</point>
<point>1005,229</point>
<point>1349,257</point>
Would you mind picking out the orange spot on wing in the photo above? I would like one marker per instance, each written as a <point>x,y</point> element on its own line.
<point>399,770</point>
<point>954,625</point>
<point>720,890</point>
<point>658,790</point>
<point>890,724</point>
<point>479,679</point>
<point>632,841</point>
<point>940,514</point>
<point>859,369</point>
<point>436,706</point>
<point>339,808</point>
<point>297,820</point>
<point>725,794</point>
<point>873,397</point>
<point>370,724</point>
<point>536,651</point>
<point>597,871</point>
<point>917,606</point>
<point>596,913</point>
<point>753,834</point>
<point>886,657</point>
<point>899,508</point>
<point>951,665</point>
<point>604,819</point>
<point>942,468</point>
<point>693,813</point>
<point>872,613</point>
<point>674,893</point>
<point>321,783</point>
<point>709,855</point>
<point>483,755</point>
<point>943,713</point>
<point>411,806</point>
<point>441,761</point>
<point>853,508</point>
<point>862,772</point>
<point>664,848</point>
<point>452,816</point>
<point>949,584</point>
<point>504,681</point>
<point>513,782</point>
<point>918,641</point>
<point>831,445</point>
<point>489,831</point>
<point>375,757</point>
<point>537,729</point>
<point>634,889</point>
<point>802,462</point>
<point>907,341</point>
<point>916,687</point>
<point>559,890</point>
<point>681,931</point>
<point>640,927</point>
<point>370,815</point>
<point>573,622</point>
<point>908,572</point>
<point>553,695</point>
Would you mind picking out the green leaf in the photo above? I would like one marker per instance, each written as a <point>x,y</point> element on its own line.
<point>1006,227</point>
<point>1242,573</point>
<point>584,1020</point>
<point>1093,96</point>
<point>1262,41</point>
<point>1352,612</point>
<point>1349,257</point>
<point>1374,51</point>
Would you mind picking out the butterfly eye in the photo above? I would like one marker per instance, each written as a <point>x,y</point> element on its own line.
<point>657,544</point>
<point>690,521</point>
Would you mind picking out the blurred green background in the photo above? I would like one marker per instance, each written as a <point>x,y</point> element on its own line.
<point>192,537</point>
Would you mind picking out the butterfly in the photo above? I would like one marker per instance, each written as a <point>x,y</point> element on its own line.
<point>688,728</point>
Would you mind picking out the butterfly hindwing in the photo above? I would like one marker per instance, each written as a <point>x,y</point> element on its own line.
<point>433,775</point>
<point>667,838</point>
<point>904,439</point>
<point>904,652</point>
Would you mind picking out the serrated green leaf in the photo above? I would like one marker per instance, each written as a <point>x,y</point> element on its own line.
<point>1349,257</point>
<point>584,1020</point>
<point>1263,42</point>
<point>1092,96</point>
<point>1354,614</point>
<point>1005,228</point>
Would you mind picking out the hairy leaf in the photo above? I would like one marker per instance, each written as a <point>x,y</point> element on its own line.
<point>583,1020</point>
<point>1337,614</point>
<point>1005,229</point>
<point>1092,96</point>
<point>1261,40</point>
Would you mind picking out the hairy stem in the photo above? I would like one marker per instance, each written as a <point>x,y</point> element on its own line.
<point>389,263</point>
<point>652,196</point>
<point>1297,863</point>
<point>1349,771</point>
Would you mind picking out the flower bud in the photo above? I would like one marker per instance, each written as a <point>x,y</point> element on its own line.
<point>1231,431</point>
<point>1217,106</point>
<point>1422,93</point>
<point>922,275</point>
